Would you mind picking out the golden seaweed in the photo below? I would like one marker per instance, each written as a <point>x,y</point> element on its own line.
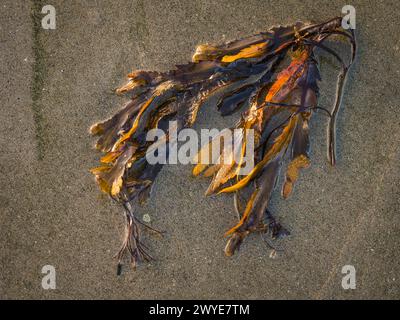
<point>253,74</point>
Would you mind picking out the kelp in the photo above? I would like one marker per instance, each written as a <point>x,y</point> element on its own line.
<point>278,103</point>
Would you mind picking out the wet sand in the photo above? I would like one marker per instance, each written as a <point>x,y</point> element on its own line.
<point>54,84</point>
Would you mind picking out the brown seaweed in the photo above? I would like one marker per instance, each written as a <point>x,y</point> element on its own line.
<point>278,104</point>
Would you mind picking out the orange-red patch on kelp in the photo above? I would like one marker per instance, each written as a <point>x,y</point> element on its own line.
<point>292,72</point>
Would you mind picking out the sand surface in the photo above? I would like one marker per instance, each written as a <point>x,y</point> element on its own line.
<point>55,83</point>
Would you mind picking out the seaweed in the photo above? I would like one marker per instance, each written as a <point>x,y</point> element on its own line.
<point>278,101</point>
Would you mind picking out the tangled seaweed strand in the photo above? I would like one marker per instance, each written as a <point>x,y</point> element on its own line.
<point>279,106</point>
